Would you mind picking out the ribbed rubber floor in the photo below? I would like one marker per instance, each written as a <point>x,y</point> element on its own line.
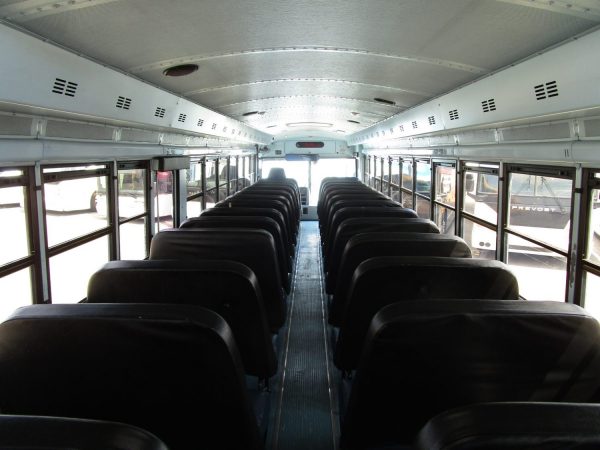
<point>304,417</point>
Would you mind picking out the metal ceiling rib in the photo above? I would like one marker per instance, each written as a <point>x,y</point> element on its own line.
<point>412,58</point>
<point>321,61</point>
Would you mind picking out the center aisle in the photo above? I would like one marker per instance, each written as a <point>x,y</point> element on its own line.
<point>304,415</point>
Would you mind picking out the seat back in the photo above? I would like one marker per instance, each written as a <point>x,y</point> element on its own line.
<point>382,202</point>
<point>381,281</point>
<point>257,222</point>
<point>422,358</point>
<point>255,212</point>
<point>228,288</point>
<point>172,370</point>
<point>380,210</point>
<point>291,212</point>
<point>253,248</point>
<point>290,226</point>
<point>364,246</point>
<point>356,225</point>
<point>513,426</point>
<point>51,433</point>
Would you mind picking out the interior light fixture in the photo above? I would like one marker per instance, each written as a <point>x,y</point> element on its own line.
<point>180,70</point>
<point>383,100</point>
<point>309,124</point>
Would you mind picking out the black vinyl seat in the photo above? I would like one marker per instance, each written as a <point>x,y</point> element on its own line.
<point>281,185</point>
<point>284,191</point>
<point>51,433</point>
<point>292,212</point>
<point>255,212</point>
<point>173,370</point>
<point>251,247</point>
<point>379,209</point>
<point>290,225</point>
<point>357,193</point>
<point>227,287</point>
<point>423,358</point>
<point>252,222</point>
<point>356,225</point>
<point>329,226</point>
<point>513,426</point>
<point>363,246</point>
<point>381,281</point>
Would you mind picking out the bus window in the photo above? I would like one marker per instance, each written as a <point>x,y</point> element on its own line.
<point>445,197</point>
<point>540,207</point>
<point>593,250</point>
<point>163,197</point>
<point>480,200</point>
<point>407,183</point>
<point>591,287</point>
<point>423,189</point>
<point>395,190</point>
<point>14,244</point>
<point>539,210</point>
<point>71,205</point>
<point>338,167</point>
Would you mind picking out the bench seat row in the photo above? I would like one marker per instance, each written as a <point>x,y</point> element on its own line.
<point>426,337</point>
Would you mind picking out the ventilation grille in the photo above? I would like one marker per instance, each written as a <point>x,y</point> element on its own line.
<point>431,120</point>
<point>64,87</point>
<point>182,118</point>
<point>200,122</point>
<point>454,114</point>
<point>415,125</point>
<point>160,112</point>
<point>488,105</point>
<point>123,103</point>
<point>543,91</point>
<point>401,128</point>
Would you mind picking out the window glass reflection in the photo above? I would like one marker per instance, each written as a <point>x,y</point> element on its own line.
<point>481,196</point>
<point>540,207</point>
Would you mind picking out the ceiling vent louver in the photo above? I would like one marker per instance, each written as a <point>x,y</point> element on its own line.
<point>160,112</point>
<point>64,87</point>
<point>547,90</point>
<point>415,125</point>
<point>431,120</point>
<point>488,105</point>
<point>453,114</point>
<point>123,103</point>
<point>182,118</point>
<point>200,122</point>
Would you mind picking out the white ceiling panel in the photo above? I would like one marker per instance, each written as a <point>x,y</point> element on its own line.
<point>320,60</point>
